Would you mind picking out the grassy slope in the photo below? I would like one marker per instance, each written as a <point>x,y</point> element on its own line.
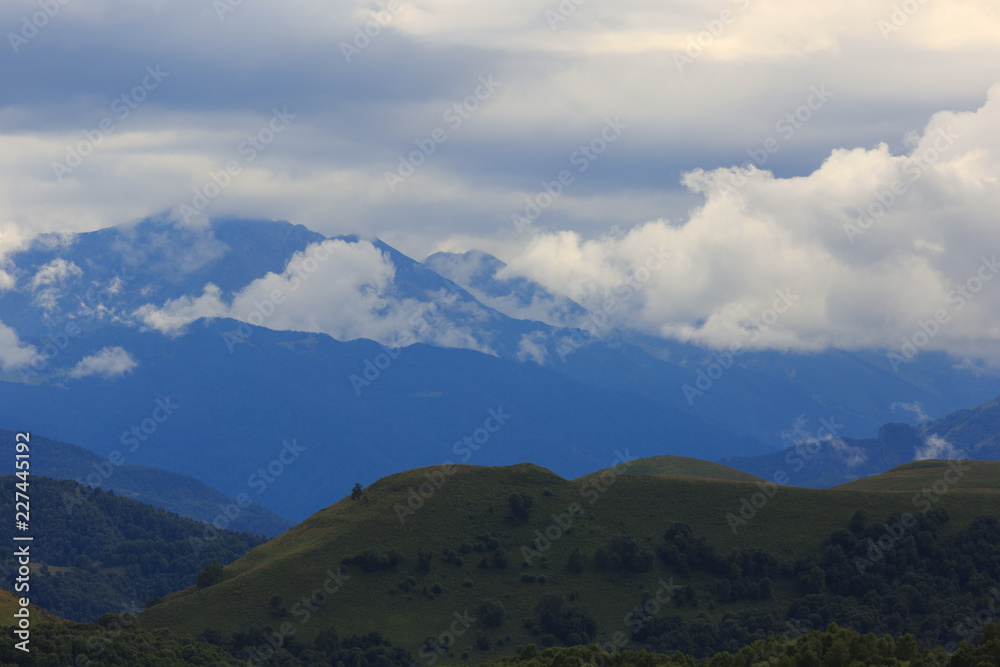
<point>681,466</point>
<point>474,501</point>
<point>9,603</point>
<point>923,474</point>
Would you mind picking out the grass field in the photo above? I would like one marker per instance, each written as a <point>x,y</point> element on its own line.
<point>473,501</point>
<point>680,466</point>
<point>919,475</point>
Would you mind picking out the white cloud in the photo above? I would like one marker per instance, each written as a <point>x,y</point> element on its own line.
<point>757,234</point>
<point>110,362</point>
<point>936,447</point>
<point>338,288</point>
<point>55,272</point>
<point>14,353</point>
<point>175,315</point>
<point>355,120</point>
<point>45,283</point>
<point>916,408</point>
<point>532,346</point>
<point>798,434</point>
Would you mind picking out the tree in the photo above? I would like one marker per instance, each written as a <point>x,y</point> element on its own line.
<point>492,612</point>
<point>576,561</point>
<point>520,506</point>
<point>858,522</point>
<point>356,492</point>
<point>211,575</point>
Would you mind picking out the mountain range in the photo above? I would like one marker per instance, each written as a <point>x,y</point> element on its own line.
<point>235,351</point>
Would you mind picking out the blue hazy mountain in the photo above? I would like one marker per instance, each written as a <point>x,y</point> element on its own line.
<point>775,397</point>
<point>280,418</point>
<point>251,397</point>
<point>514,296</point>
<point>185,495</point>
<point>971,433</point>
<point>107,274</point>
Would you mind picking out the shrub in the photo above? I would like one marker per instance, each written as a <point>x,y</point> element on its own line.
<point>211,575</point>
<point>492,613</point>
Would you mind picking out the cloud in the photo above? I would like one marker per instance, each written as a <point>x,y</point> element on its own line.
<point>916,408</point>
<point>175,315</point>
<point>356,118</point>
<point>798,433</point>
<point>481,275</point>
<point>758,237</point>
<point>336,287</point>
<point>936,447</point>
<point>46,281</point>
<point>14,353</point>
<point>532,346</point>
<point>7,281</point>
<point>55,272</point>
<point>110,362</point>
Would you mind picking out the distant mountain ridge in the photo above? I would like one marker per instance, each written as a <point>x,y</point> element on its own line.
<point>185,495</point>
<point>972,433</point>
<point>513,296</point>
<point>363,409</point>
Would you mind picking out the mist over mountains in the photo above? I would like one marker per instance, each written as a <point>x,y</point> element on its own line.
<point>274,347</point>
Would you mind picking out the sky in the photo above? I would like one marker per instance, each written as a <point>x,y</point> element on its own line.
<point>844,155</point>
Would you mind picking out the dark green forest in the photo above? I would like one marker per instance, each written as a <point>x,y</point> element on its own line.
<point>106,553</point>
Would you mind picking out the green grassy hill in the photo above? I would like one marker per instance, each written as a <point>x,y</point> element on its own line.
<point>94,553</point>
<point>679,466</point>
<point>920,475</point>
<point>9,604</point>
<point>469,519</point>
